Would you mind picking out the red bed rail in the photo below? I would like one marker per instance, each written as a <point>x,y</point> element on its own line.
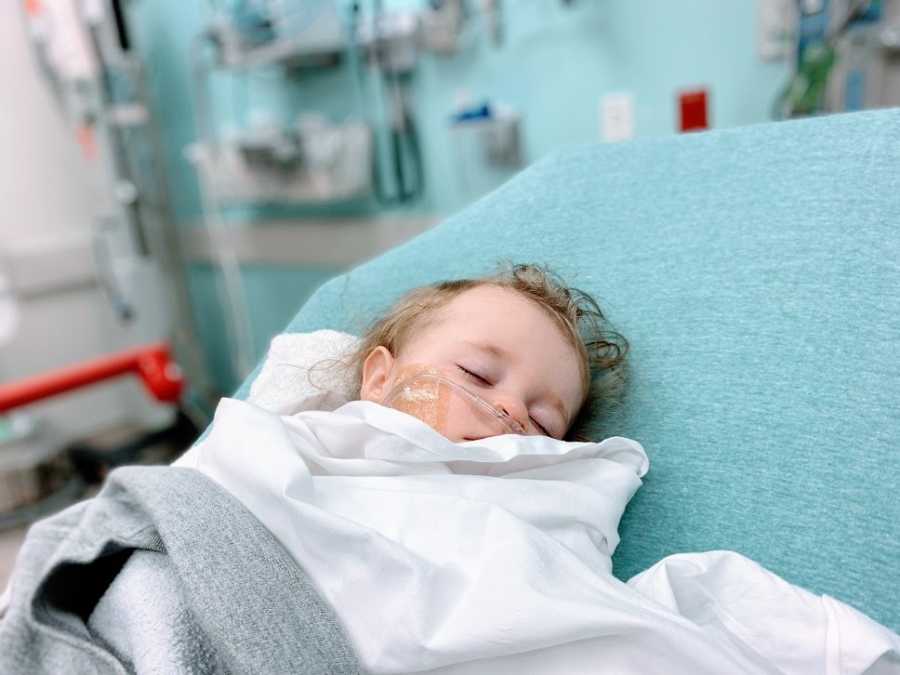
<point>152,363</point>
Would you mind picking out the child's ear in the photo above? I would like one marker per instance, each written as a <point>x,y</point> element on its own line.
<point>376,373</point>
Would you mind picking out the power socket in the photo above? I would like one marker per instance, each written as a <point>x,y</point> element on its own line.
<point>617,117</point>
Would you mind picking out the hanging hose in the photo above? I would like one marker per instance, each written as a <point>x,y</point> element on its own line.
<point>406,155</point>
<point>405,149</point>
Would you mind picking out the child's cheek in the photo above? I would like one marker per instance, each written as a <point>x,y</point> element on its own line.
<point>426,399</point>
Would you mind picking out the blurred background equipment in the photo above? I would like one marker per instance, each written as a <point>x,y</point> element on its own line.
<point>845,58</point>
<point>86,53</point>
<point>187,174</point>
<point>122,245</point>
<point>35,477</point>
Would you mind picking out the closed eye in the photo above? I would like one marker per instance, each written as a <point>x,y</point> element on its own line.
<point>540,427</point>
<point>475,376</point>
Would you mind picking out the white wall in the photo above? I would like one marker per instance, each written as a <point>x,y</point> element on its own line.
<point>44,187</point>
<point>48,200</point>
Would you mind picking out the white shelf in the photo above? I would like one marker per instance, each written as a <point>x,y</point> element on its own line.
<point>290,53</point>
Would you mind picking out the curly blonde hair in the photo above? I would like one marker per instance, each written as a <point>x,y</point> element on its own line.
<point>601,349</point>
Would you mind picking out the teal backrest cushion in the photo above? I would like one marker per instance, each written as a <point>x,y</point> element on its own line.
<point>756,273</point>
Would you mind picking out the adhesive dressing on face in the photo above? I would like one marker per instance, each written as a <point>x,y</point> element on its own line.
<point>447,406</point>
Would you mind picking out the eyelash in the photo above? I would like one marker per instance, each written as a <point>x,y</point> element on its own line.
<point>540,427</point>
<point>481,380</point>
<point>475,376</point>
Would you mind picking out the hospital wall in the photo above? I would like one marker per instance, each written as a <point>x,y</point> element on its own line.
<point>553,66</point>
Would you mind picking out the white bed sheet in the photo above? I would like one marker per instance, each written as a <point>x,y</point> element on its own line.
<point>494,556</point>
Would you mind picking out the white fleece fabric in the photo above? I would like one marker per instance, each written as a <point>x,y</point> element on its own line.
<point>305,371</point>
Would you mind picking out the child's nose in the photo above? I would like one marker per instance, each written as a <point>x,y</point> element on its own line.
<point>513,407</point>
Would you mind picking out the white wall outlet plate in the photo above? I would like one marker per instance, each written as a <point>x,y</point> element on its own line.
<point>617,117</point>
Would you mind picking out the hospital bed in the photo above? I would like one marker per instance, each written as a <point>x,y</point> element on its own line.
<point>756,273</point>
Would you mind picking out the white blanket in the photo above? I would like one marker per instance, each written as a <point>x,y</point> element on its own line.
<point>493,556</point>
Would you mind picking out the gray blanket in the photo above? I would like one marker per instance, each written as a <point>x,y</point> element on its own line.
<point>164,572</point>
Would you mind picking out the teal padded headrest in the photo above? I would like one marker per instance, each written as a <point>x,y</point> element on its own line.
<point>756,273</point>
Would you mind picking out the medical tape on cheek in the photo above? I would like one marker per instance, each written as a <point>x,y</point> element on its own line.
<point>425,398</point>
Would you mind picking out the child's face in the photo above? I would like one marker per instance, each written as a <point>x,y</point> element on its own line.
<point>498,345</point>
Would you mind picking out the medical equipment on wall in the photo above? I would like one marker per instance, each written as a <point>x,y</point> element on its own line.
<point>84,50</point>
<point>252,33</point>
<point>69,38</point>
<point>487,144</point>
<point>487,138</point>
<point>442,23</point>
<point>391,43</point>
<point>498,128</point>
<point>867,70</point>
<point>313,160</point>
<point>310,160</point>
<point>247,34</point>
<point>834,51</point>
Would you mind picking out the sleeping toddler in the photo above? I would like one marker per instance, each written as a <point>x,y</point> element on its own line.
<point>454,517</point>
